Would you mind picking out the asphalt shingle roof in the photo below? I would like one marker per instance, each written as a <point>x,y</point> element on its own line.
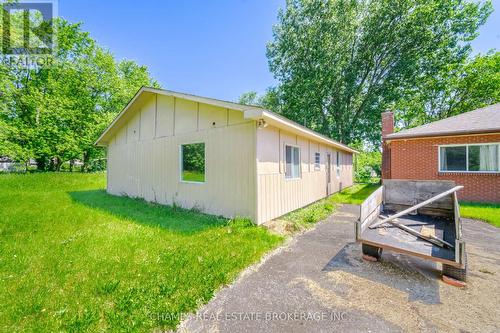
<point>483,120</point>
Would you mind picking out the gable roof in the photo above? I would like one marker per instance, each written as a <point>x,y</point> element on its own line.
<point>250,112</point>
<point>483,120</point>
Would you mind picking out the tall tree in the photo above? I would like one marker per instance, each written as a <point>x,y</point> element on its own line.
<point>340,63</point>
<point>55,113</point>
<point>453,91</point>
<point>250,98</point>
<point>271,99</point>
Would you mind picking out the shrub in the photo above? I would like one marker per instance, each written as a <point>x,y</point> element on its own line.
<point>367,165</point>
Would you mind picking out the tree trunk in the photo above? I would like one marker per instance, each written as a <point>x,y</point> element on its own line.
<point>41,163</point>
<point>51,165</point>
<point>57,164</point>
<point>85,161</point>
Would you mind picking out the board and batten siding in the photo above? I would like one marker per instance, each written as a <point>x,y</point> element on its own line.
<point>144,156</point>
<point>277,195</point>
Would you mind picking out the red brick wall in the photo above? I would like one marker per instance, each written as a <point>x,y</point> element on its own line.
<point>418,159</point>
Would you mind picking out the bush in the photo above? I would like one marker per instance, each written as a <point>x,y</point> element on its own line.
<point>367,165</point>
<point>96,165</point>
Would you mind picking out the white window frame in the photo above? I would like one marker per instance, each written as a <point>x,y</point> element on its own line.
<point>337,164</point>
<point>467,145</point>
<point>181,165</point>
<point>317,166</point>
<point>300,162</point>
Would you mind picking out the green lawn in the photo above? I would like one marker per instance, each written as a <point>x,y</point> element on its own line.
<point>73,258</point>
<point>487,212</point>
<point>355,194</point>
<point>321,209</point>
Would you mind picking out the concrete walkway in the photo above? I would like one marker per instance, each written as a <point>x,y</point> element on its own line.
<point>319,283</point>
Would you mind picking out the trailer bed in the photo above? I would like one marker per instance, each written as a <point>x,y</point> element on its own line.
<point>429,208</point>
<point>393,238</point>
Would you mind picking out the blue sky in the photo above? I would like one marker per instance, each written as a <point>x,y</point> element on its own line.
<point>211,48</point>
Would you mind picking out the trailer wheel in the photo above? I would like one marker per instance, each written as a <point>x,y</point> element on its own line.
<point>372,251</point>
<point>459,274</point>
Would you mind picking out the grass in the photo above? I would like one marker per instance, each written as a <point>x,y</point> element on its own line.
<point>304,217</point>
<point>73,258</point>
<point>355,194</point>
<point>193,176</point>
<point>321,209</point>
<point>489,213</point>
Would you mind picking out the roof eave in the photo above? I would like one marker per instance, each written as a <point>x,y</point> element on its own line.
<point>289,124</point>
<point>391,137</point>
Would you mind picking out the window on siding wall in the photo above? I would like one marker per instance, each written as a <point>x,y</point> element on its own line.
<point>472,158</point>
<point>193,162</point>
<point>292,168</point>
<point>338,165</point>
<point>317,161</point>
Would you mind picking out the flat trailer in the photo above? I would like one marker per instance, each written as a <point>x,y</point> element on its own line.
<point>418,218</point>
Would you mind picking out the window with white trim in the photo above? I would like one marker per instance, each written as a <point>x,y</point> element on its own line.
<point>470,158</point>
<point>338,165</point>
<point>317,161</point>
<point>292,158</point>
<point>193,162</point>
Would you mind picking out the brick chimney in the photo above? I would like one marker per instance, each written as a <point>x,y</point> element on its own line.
<point>387,128</point>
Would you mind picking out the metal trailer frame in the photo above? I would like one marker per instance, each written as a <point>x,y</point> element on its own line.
<point>442,214</point>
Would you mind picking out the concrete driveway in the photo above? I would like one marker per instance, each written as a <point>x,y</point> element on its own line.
<point>319,283</point>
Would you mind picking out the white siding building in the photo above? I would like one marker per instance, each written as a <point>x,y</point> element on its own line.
<point>223,158</point>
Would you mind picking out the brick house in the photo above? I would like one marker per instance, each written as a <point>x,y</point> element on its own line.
<point>464,148</point>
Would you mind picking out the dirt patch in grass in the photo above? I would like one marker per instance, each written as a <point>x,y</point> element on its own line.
<point>283,227</point>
